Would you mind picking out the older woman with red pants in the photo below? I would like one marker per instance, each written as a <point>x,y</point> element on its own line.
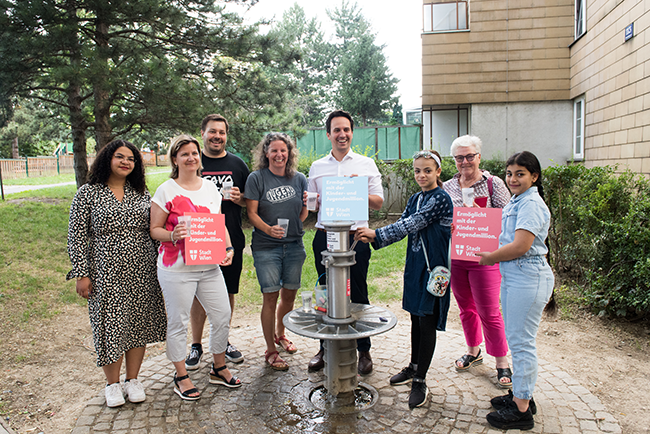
<point>477,287</point>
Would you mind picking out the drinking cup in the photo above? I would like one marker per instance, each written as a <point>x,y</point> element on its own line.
<point>312,199</point>
<point>187,221</point>
<point>306,300</point>
<point>225,189</point>
<point>468,196</point>
<point>284,224</point>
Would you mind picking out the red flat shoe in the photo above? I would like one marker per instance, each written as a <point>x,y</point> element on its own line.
<point>286,344</point>
<point>275,361</point>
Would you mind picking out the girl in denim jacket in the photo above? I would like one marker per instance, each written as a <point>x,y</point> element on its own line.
<point>526,286</point>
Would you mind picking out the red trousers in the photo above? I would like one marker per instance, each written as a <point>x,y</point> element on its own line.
<point>476,289</point>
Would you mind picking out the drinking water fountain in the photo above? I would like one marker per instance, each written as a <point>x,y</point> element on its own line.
<point>340,327</point>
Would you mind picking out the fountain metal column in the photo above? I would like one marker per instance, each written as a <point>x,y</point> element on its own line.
<point>344,322</point>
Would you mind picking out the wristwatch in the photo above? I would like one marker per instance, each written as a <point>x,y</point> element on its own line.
<point>230,249</point>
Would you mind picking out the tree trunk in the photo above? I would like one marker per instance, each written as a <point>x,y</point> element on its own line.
<point>77,121</point>
<point>14,148</point>
<point>78,135</point>
<point>100,89</point>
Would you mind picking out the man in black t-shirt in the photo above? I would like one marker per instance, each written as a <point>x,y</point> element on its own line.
<point>220,166</point>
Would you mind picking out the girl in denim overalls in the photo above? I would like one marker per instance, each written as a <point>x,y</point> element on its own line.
<point>526,285</point>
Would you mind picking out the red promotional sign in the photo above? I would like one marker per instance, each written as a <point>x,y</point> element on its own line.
<point>207,244</point>
<point>475,230</point>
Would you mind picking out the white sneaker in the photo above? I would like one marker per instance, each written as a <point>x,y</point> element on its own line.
<point>114,395</point>
<point>134,390</point>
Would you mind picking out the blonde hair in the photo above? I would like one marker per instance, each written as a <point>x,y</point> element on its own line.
<point>177,143</point>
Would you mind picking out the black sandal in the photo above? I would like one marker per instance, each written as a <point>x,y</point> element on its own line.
<point>504,373</point>
<point>216,378</point>
<point>185,395</point>
<point>467,361</point>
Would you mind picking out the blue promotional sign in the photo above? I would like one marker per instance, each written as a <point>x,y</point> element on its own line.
<point>344,198</point>
<point>629,31</point>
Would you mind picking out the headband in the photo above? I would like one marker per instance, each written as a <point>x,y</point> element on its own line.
<point>427,154</point>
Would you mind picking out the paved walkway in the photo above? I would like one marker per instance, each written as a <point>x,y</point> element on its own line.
<point>10,189</point>
<point>277,402</point>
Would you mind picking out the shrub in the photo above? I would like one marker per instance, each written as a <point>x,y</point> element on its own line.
<point>600,235</point>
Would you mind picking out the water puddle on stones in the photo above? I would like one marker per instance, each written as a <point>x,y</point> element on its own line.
<point>363,398</point>
<point>312,410</point>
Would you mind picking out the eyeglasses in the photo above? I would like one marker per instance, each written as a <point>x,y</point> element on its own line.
<point>468,157</point>
<point>121,157</point>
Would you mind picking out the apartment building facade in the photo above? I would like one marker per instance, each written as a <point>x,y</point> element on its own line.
<point>555,77</point>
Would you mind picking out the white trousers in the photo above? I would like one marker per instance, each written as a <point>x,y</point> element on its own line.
<point>179,290</point>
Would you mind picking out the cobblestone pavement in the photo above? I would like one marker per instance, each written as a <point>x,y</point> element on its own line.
<point>278,402</point>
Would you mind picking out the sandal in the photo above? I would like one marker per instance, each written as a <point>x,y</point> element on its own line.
<point>187,394</point>
<point>286,344</point>
<point>504,373</point>
<point>217,378</point>
<point>467,361</point>
<point>277,363</point>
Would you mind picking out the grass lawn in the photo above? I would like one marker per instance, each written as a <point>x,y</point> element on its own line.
<point>34,259</point>
<point>384,276</point>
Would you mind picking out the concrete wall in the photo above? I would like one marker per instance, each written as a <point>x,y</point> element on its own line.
<point>614,77</point>
<point>543,128</point>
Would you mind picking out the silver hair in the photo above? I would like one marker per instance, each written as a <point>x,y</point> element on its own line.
<point>465,142</point>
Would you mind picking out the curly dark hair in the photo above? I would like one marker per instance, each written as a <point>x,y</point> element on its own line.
<point>100,170</point>
<point>262,162</point>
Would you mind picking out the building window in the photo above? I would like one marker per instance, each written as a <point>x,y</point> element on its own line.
<point>441,127</point>
<point>441,17</point>
<point>579,128</point>
<point>580,19</point>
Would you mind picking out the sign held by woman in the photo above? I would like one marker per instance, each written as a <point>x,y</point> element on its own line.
<point>475,230</point>
<point>206,244</point>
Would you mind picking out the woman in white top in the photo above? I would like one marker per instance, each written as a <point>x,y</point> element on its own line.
<point>180,283</point>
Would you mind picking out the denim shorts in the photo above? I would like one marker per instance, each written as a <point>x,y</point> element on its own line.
<point>279,267</point>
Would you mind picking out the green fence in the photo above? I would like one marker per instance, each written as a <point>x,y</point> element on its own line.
<point>389,143</point>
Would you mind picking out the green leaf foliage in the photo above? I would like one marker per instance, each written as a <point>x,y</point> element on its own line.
<point>365,85</point>
<point>311,91</point>
<point>124,67</point>
<point>37,128</point>
<point>600,235</point>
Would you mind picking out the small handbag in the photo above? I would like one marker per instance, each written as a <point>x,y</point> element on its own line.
<point>438,277</point>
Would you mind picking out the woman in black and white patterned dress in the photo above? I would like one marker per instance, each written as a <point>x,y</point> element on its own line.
<point>114,261</point>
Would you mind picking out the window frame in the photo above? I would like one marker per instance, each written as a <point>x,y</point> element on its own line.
<point>580,19</point>
<point>431,6</point>
<point>428,141</point>
<point>578,131</point>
